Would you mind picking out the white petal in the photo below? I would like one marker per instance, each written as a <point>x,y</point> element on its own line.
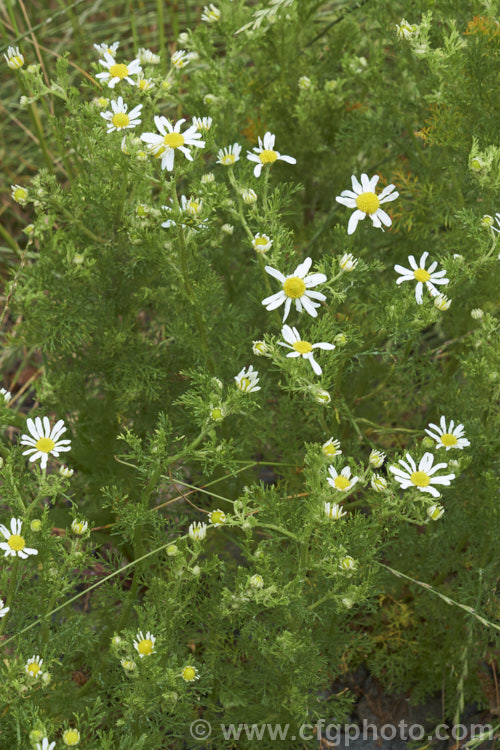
<point>353,221</point>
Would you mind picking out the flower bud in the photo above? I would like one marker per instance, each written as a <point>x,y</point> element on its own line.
<point>435,512</point>
<point>256,581</point>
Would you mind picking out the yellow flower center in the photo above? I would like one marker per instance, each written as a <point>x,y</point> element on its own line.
<point>20,194</point>
<point>71,737</point>
<point>304,347</point>
<point>120,120</point>
<point>294,287</point>
<point>143,84</point>
<point>244,384</point>
<point>421,274</point>
<point>260,241</point>
<point>367,202</point>
<point>17,61</point>
<point>189,673</point>
<point>267,156</point>
<point>330,450</point>
<point>173,140</point>
<point>145,647</point>
<point>16,542</point>
<point>448,439</point>
<point>33,668</point>
<point>341,483</point>
<point>420,479</point>
<point>216,414</point>
<point>228,159</point>
<point>45,444</point>
<point>217,516</point>
<point>118,70</point>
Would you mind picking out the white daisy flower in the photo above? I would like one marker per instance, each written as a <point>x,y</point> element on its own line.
<point>14,58</point>
<point>211,14</point>
<point>377,458</point>
<point>320,395</point>
<point>256,581</point>
<point>249,196</point>
<point>296,288</point>
<point>422,477</point>
<point>180,59</point>
<point>7,395</point>
<point>19,194</point>
<point>197,531</point>
<point>116,72</point>
<point>144,84</point>
<point>189,674</point>
<point>265,154</point>
<point>302,348</point>
<point>261,243</point>
<point>448,437</point>
<point>202,123</point>
<point>109,48</point>
<point>347,564</point>
<point>348,262</point>
<point>170,138</point>
<point>3,610</point>
<point>334,511</point>
<point>435,512</point>
<point>71,737</point>
<point>79,527</point>
<point>128,665</point>
<point>144,645</point>
<point>363,198</point>
<point>497,219</point>
<point>147,57</point>
<point>34,666</point>
<point>15,544</point>
<point>45,745</point>
<point>44,440</point>
<point>217,517</point>
<point>422,276</point>
<point>191,206</point>
<point>118,119</point>
<point>331,448</point>
<point>406,30</point>
<point>247,379</point>
<point>229,155</point>
<point>260,348</point>
<point>442,302</point>
<point>378,483</point>
<point>341,482</point>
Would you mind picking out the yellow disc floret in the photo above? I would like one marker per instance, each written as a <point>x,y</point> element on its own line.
<point>228,159</point>
<point>303,347</point>
<point>45,444</point>
<point>71,737</point>
<point>420,479</point>
<point>145,647</point>
<point>173,140</point>
<point>422,275</point>
<point>189,674</point>
<point>118,70</point>
<point>16,542</point>
<point>294,287</point>
<point>368,203</point>
<point>120,120</point>
<point>33,668</point>
<point>341,483</point>
<point>448,439</point>
<point>267,156</point>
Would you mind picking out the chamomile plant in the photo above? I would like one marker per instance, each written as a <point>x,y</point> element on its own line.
<point>250,367</point>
